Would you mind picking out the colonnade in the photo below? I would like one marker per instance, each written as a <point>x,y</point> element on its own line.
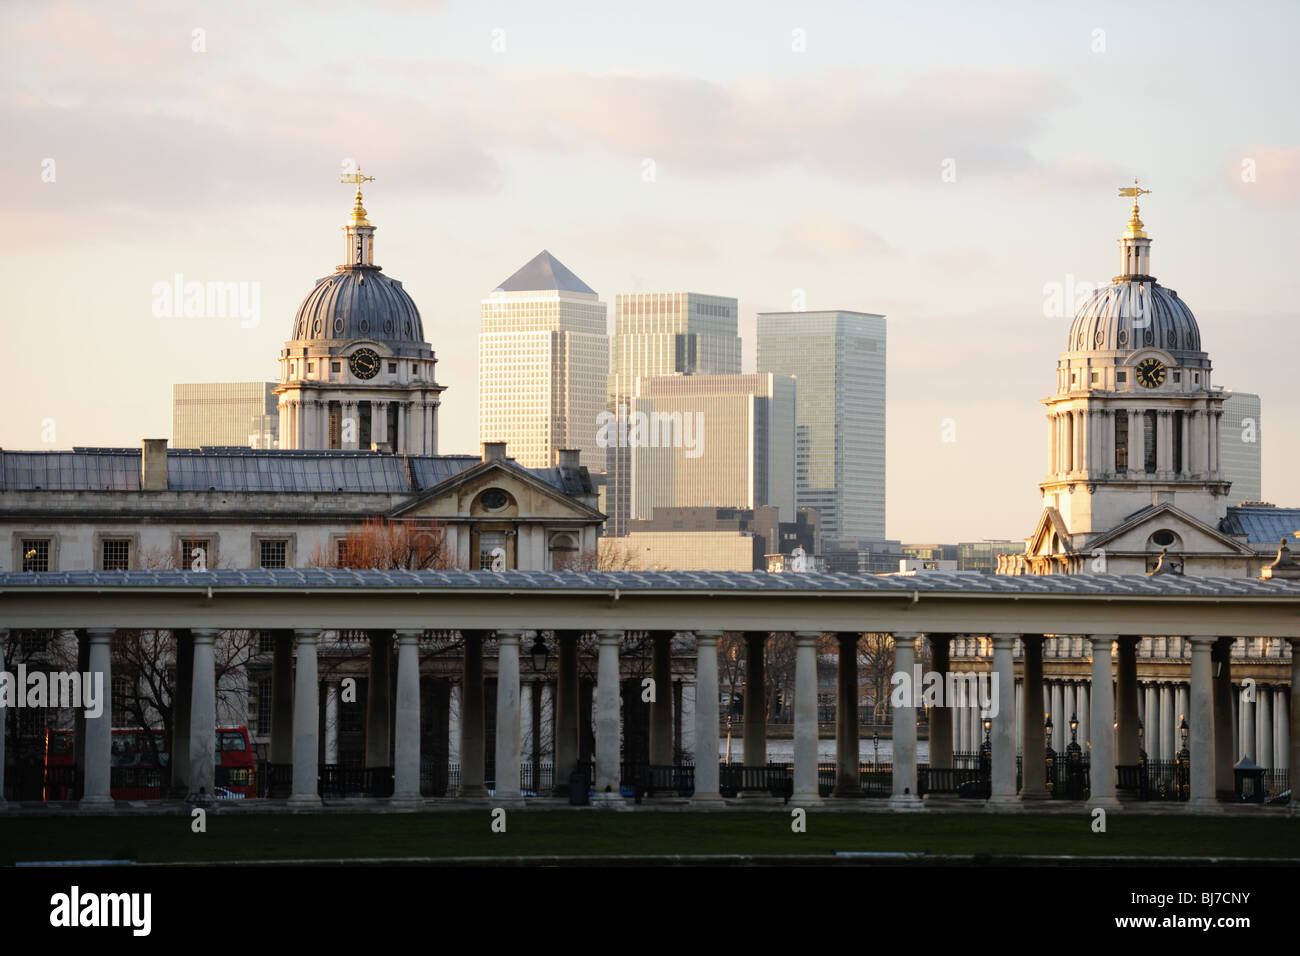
<point>1111,705</point>
<point>1084,441</point>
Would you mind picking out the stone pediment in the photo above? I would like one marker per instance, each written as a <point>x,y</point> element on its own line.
<point>1049,523</point>
<point>526,496</point>
<point>1191,535</point>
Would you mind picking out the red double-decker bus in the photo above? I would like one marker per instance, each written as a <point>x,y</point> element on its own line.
<point>140,764</point>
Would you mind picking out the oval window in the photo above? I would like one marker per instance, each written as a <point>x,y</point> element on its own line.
<point>1163,539</point>
<point>494,499</point>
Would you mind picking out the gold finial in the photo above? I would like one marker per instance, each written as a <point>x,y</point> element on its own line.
<point>1135,229</point>
<point>358,210</point>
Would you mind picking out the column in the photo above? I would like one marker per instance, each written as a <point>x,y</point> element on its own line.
<point>1126,702</point>
<point>282,697</point>
<point>805,718</point>
<point>607,698</point>
<point>1248,737</point>
<point>406,762</point>
<point>904,795</point>
<point>941,725</point>
<point>1082,696</point>
<point>306,720</point>
<point>1164,442</point>
<point>1051,443</point>
<point>99,737</point>
<point>1057,713</point>
<point>473,754</point>
<point>1201,722</point>
<point>661,708</point>
<point>566,710</point>
<point>1151,725</point>
<point>203,717</point>
<point>1168,722</point>
<point>846,716</point>
<point>1181,711</point>
<point>1032,745</point>
<point>1102,702</point>
<point>1004,720</point>
<point>332,722</point>
<point>4,640</point>
<point>1282,719</point>
<point>1264,697</point>
<point>1184,460</point>
<point>180,746</point>
<point>1221,694</point>
<point>706,719</point>
<point>755,700</point>
<point>379,422</point>
<point>1136,449</point>
<point>507,751</point>
<point>379,741</point>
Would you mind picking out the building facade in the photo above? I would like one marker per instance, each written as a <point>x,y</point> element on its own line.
<point>543,358</point>
<point>838,358</point>
<point>710,441</point>
<point>225,413</point>
<point>662,333</point>
<point>1241,445</point>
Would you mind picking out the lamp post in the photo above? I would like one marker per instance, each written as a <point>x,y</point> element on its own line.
<point>539,654</point>
<point>986,756</point>
<point>1050,758</point>
<point>1182,761</point>
<point>1074,762</point>
<point>875,745</point>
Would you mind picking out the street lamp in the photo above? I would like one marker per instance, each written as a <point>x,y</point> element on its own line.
<point>539,653</point>
<point>1182,776</point>
<point>875,744</point>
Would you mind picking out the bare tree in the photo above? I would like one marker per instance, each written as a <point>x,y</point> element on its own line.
<point>378,543</point>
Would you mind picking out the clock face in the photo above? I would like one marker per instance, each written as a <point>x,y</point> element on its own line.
<point>1150,373</point>
<point>364,363</point>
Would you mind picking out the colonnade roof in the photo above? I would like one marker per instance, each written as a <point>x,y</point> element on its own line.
<point>637,582</point>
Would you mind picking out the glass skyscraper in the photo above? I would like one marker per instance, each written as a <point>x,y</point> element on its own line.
<point>662,333</point>
<point>838,359</point>
<point>1240,448</point>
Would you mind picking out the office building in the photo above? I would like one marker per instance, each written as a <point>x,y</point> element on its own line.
<point>1240,445</point>
<point>234,414</point>
<point>543,361</point>
<point>838,358</point>
<point>662,333</point>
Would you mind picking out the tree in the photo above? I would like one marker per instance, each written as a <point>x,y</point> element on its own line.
<point>383,544</point>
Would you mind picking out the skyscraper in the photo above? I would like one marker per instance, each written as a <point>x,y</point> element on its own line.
<point>838,358</point>
<point>1240,446</point>
<point>543,359</point>
<point>662,333</point>
<point>711,441</point>
<point>224,413</point>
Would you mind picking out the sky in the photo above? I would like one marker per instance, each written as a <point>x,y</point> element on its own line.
<point>952,168</point>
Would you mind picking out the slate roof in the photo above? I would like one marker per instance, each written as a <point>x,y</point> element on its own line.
<point>544,273</point>
<point>247,469</point>
<point>1263,527</point>
<point>936,582</point>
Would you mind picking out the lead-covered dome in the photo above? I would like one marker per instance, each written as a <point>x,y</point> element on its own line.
<point>358,303</point>
<point>1131,314</point>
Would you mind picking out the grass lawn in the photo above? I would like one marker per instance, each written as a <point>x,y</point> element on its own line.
<point>594,833</point>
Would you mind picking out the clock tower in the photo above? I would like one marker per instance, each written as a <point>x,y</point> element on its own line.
<point>357,372</point>
<point>1135,421</point>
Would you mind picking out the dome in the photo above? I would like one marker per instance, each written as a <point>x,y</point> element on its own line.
<point>358,302</point>
<point>1106,322</point>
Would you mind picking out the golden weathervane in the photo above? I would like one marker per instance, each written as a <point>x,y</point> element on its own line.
<point>1134,223</point>
<point>358,211</point>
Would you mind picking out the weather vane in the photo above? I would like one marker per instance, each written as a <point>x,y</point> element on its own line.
<point>358,179</point>
<point>1133,191</point>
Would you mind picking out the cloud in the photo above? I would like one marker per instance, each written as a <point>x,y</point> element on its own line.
<point>820,236</point>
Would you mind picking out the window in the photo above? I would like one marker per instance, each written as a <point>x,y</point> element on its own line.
<point>489,541</point>
<point>1196,378</point>
<point>415,369</point>
<point>1121,443</point>
<point>1121,376</point>
<point>263,725</point>
<point>1096,377</point>
<point>36,554</point>
<point>123,692</point>
<point>392,368</point>
<point>363,426</point>
<point>1177,437</point>
<point>343,552</point>
<point>116,554</point>
<point>334,366</point>
<point>336,425</point>
<point>274,553</point>
<point>1178,377</point>
<point>189,561</point>
<point>265,642</point>
<point>311,367</point>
